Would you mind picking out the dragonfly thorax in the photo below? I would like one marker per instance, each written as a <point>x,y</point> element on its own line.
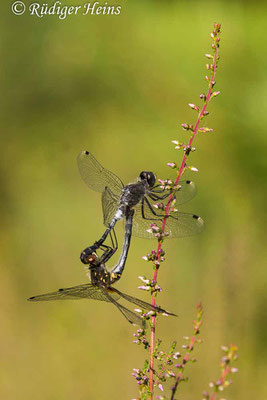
<point>132,194</point>
<point>99,275</point>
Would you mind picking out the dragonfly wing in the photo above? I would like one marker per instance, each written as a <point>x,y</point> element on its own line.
<point>96,176</point>
<point>178,224</point>
<point>131,316</point>
<point>142,304</point>
<point>184,192</point>
<point>109,205</point>
<point>87,291</point>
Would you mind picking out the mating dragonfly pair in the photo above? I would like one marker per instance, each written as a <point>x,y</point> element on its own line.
<point>132,203</point>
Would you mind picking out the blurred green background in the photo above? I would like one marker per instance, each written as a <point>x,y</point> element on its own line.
<point>119,86</point>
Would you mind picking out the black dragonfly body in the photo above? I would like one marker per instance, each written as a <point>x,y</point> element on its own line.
<point>118,200</point>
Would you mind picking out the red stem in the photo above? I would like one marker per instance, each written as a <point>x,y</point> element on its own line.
<point>167,211</point>
<point>224,375</point>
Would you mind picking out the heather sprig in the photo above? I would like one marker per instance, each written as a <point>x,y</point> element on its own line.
<point>170,365</point>
<point>218,386</point>
<point>189,347</point>
<point>193,130</point>
<point>160,365</point>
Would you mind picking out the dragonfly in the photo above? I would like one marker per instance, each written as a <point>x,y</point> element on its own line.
<point>118,199</point>
<point>100,288</point>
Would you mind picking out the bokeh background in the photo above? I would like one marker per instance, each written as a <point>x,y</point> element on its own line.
<point>119,86</point>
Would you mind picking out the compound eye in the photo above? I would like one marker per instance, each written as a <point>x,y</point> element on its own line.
<point>151,179</point>
<point>143,175</point>
<point>91,258</point>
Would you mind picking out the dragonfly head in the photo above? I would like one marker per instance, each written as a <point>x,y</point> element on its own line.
<point>148,177</point>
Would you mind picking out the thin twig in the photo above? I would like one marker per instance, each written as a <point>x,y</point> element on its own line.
<point>190,347</point>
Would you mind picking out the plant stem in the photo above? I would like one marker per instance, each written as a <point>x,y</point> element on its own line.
<point>180,374</point>
<point>167,212</point>
<point>226,369</point>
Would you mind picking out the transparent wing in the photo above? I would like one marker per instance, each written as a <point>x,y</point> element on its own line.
<point>185,191</point>
<point>109,205</point>
<point>131,316</point>
<point>142,304</point>
<point>87,291</point>
<point>179,224</point>
<point>96,176</point>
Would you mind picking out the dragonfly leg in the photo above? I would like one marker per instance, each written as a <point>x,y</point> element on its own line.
<point>114,241</point>
<point>109,250</point>
<point>158,191</point>
<point>157,197</point>
<point>89,250</point>
<point>151,209</point>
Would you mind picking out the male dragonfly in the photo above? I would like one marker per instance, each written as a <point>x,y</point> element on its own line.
<point>118,200</point>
